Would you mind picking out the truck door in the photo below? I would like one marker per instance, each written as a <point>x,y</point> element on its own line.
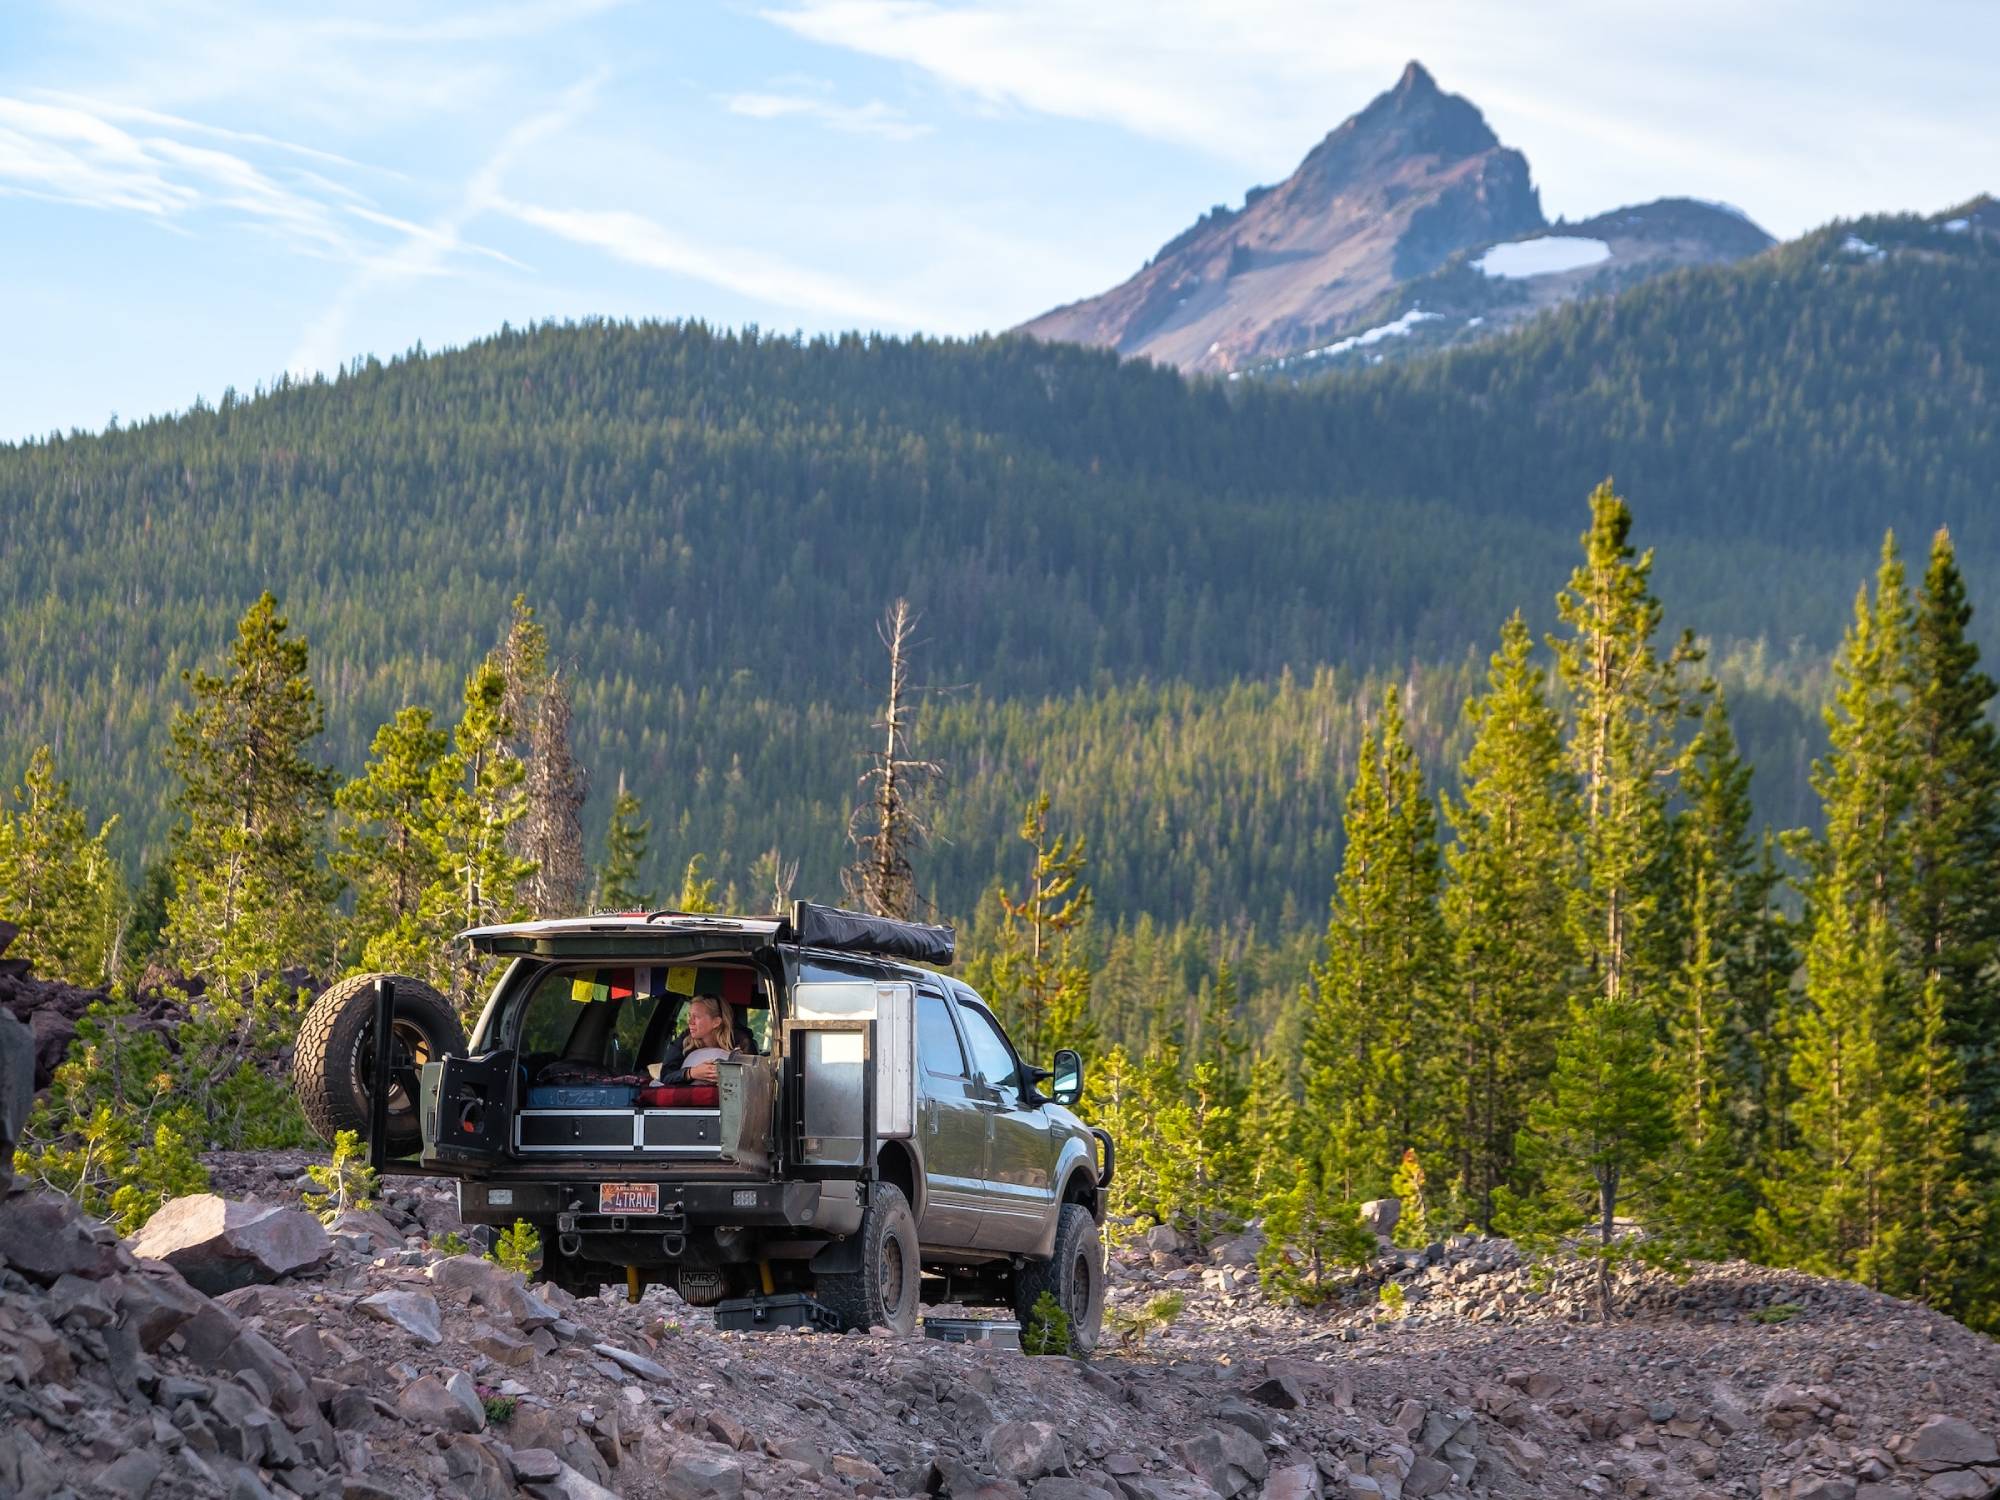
<point>952,1129</point>
<point>1019,1196</point>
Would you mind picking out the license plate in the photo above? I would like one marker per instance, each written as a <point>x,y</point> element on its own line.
<point>628,1197</point>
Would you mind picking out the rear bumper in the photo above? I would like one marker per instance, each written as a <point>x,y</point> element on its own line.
<point>570,1204</point>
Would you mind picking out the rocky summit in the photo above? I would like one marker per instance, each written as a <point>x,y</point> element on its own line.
<point>1378,232</point>
<point>388,1368</point>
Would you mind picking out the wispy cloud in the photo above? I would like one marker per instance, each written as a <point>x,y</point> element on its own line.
<point>873,118</point>
<point>756,274</point>
<point>425,248</point>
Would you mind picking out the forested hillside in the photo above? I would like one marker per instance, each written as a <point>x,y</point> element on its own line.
<point>1114,567</point>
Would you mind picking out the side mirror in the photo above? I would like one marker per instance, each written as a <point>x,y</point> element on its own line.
<point>1068,1076</point>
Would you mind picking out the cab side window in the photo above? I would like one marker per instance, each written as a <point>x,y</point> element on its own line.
<point>937,1038</point>
<point>990,1052</point>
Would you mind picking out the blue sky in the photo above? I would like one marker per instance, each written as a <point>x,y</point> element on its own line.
<point>199,194</point>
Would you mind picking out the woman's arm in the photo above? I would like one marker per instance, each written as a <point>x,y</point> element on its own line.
<point>671,1070</point>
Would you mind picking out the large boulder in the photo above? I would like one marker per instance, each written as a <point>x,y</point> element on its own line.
<point>218,1244</point>
<point>1026,1450</point>
<point>1381,1214</point>
<point>1229,1459</point>
<point>1944,1442</point>
<point>17,1089</point>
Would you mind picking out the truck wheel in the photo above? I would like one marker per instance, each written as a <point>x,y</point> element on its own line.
<point>335,1057</point>
<point>1074,1274</point>
<point>883,1293</point>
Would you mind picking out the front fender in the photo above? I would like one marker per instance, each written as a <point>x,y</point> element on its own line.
<point>1075,1181</point>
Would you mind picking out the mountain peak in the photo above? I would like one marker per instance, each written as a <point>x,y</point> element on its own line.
<point>1412,179</point>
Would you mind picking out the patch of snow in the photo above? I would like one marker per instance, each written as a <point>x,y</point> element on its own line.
<point>1957,226</point>
<point>1215,346</point>
<point>1542,257</point>
<point>1474,322</point>
<point>1395,328</point>
<point>1855,245</point>
<point>1728,208</point>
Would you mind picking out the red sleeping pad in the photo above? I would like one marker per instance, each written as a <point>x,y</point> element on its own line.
<point>678,1096</point>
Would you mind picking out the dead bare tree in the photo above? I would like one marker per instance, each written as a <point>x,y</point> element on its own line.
<point>551,832</point>
<point>772,872</point>
<point>889,825</point>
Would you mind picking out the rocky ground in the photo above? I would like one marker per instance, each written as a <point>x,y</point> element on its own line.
<point>364,1364</point>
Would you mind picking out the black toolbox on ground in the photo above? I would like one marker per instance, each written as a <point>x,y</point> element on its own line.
<point>778,1310</point>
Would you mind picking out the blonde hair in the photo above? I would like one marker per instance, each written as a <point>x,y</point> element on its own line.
<point>720,1009</point>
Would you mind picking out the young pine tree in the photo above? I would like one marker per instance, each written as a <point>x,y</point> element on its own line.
<point>1367,1048</point>
<point>1703,1061</point>
<point>477,791</point>
<point>1834,1202</point>
<point>1626,701</point>
<point>253,893</point>
<point>388,845</point>
<point>1040,983</point>
<point>1596,1139</point>
<point>1505,911</point>
<point>59,883</point>
<point>619,885</point>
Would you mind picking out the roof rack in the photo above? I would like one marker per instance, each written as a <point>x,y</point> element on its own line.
<point>816,926</point>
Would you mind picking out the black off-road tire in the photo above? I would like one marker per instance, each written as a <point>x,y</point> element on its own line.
<point>336,1052</point>
<point>883,1293</point>
<point>1074,1274</point>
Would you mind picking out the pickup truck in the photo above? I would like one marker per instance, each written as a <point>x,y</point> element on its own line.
<point>870,1142</point>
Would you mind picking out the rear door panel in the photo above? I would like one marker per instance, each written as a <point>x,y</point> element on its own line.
<point>468,1109</point>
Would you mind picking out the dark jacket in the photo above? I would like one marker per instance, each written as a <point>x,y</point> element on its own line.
<point>671,1070</point>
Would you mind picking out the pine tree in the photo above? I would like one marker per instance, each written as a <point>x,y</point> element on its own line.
<point>1038,982</point>
<point>1505,910</point>
<point>555,788</point>
<point>697,896</point>
<point>1834,1198</point>
<point>1367,1046</point>
<point>477,791</point>
<point>1703,1059</point>
<point>252,890</point>
<point>625,841</point>
<point>59,883</point>
<point>1596,1140</point>
<point>1626,700</point>
<point>388,845</point>
<point>1312,1233</point>
<point>1954,906</point>
<point>1771,962</point>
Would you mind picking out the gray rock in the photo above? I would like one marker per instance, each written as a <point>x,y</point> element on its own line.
<point>500,1291</point>
<point>1229,1459</point>
<point>1293,1482</point>
<point>477,1472</point>
<point>1954,1484</point>
<point>430,1402</point>
<point>535,1465</point>
<point>1280,1391</point>
<point>636,1364</point>
<point>1239,1249</point>
<point>704,1476</point>
<point>132,1474</point>
<point>1429,1477</point>
<point>574,1486</point>
<point>1068,1489</point>
<point>1026,1450</point>
<point>416,1313</point>
<point>1162,1237</point>
<point>44,1237</point>
<point>17,1088</point>
<point>217,1244</point>
<point>1381,1214</point>
<point>1950,1442</point>
<point>1254,1420</point>
<point>462,1387</point>
<point>502,1347</point>
<point>366,1223</point>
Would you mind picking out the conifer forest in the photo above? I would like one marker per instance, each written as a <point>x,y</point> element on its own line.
<point>1383,800</point>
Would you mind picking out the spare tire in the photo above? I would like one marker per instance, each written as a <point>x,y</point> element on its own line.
<point>333,1067</point>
